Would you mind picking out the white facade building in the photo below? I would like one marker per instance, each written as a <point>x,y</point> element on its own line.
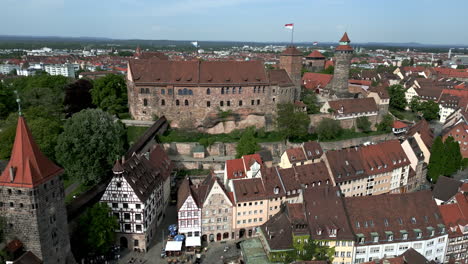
<point>189,214</point>
<point>67,70</point>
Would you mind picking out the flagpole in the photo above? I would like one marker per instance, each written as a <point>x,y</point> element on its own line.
<point>292,35</point>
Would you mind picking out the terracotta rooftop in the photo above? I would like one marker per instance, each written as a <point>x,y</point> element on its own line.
<point>423,128</point>
<point>316,54</point>
<point>344,48</point>
<point>312,80</point>
<point>291,51</point>
<point>398,124</point>
<point>30,167</point>
<point>353,106</point>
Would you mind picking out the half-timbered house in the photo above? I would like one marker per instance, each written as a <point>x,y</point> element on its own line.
<point>189,213</point>
<point>136,196</point>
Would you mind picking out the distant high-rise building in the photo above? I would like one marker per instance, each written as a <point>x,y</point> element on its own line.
<point>343,56</point>
<point>32,200</point>
<point>291,62</point>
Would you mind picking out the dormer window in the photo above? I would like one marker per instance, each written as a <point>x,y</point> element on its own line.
<point>389,235</point>
<point>418,233</point>
<point>317,151</point>
<point>276,190</point>
<point>309,153</point>
<point>413,220</point>
<point>375,237</point>
<point>319,231</point>
<point>293,158</point>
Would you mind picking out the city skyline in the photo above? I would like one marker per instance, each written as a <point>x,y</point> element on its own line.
<point>240,20</point>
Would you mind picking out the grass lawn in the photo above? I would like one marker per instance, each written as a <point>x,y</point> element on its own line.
<point>134,132</point>
<point>405,115</point>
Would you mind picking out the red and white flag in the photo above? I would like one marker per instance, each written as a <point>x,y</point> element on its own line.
<point>289,26</point>
<point>315,43</point>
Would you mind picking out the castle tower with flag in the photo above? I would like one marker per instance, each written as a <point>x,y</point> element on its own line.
<point>343,56</point>
<point>32,200</point>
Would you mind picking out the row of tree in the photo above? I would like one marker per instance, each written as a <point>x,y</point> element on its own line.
<point>429,110</point>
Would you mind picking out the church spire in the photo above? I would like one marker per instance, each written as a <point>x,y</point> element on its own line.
<point>28,166</point>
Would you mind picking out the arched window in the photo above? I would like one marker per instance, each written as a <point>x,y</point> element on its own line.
<point>142,90</point>
<point>255,89</point>
<point>145,102</point>
<point>190,92</point>
<point>208,91</point>
<point>163,102</point>
<point>185,91</point>
<point>240,90</point>
<point>208,103</point>
<point>222,90</point>
<point>221,103</point>
<point>240,102</point>
<point>186,102</point>
<point>179,92</point>
<point>147,90</point>
<point>227,90</point>
<point>228,103</point>
<point>258,101</point>
<point>233,90</point>
<point>263,89</point>
<point>177,102</point>
<point>163,91</point>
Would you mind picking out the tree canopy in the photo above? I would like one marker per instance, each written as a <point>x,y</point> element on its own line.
<point>445,159</point>
<point>328,70</point>
<point>247,143</point>
<point>329,129</point>
<point>89,145</point>
<point>363,124</point>
<point>386,123</point>
<point>429,110</point>
<point>397,97</point>
<point>110,94</point>
<point>78,96</point>
<point>292,122</point>
<point>312,250</point>
<point>309,98</point>
<point>97,229</point>
<point>44,126</point>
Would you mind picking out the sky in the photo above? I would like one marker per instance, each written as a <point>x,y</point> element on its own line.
<point>422,21</point>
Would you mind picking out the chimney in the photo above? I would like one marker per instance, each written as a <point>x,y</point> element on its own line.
<point>12,174</point>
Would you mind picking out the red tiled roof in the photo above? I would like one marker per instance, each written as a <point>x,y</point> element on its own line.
<point>329,63</point>
<point>422,127</point>
<point>455,214</point>
<point>414,68</point>
<point>237,168</point>
<point>345,38</point>
<point>360,82</point>
<point>344,48</point>
<point>296,155</point>
<point>315,54</point>
<point>291,51</point>
<point>31,167</point>
<point>398,124</point>
<point>350,106</point>
<point>313,80</point>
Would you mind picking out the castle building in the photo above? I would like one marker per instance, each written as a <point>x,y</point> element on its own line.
<point>343,56</point>
<point>32,200</point>
<point>194,93</point>
<point>315,61</point>
<point>291,62</point>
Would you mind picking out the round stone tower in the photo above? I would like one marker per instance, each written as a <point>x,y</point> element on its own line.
<point>291,62</point>
<point>343,56</point>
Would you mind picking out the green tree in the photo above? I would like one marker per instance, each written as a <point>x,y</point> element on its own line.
<point>44,127</point>
<point>291,122</point>
<point>405,63</point>
<point>329,129</point>
<point>436,161</point>
<point>386,124</point>
<point>110,94</point>
<point>430,110</point>
<point>309,98</point>
<point>7,101</point>
<point>415,104</point>
<point>397,97</point>
<point>453,157</point>
<point>124,53</point>
<point>312,250</point>
<point>97,228</point>
<point>363,124</point>
<point>461,67</point>
<point>328,70</point>
<point>89,145</point>
<point>247,143</point>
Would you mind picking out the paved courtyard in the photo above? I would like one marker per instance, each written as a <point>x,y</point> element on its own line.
<point>214,255</point>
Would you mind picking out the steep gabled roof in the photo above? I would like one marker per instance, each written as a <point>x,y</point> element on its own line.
<point>345,38</point>
<point>29,165</point>
<point>423,128</point>
<point>316,54</point>
<point>446,188</point>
